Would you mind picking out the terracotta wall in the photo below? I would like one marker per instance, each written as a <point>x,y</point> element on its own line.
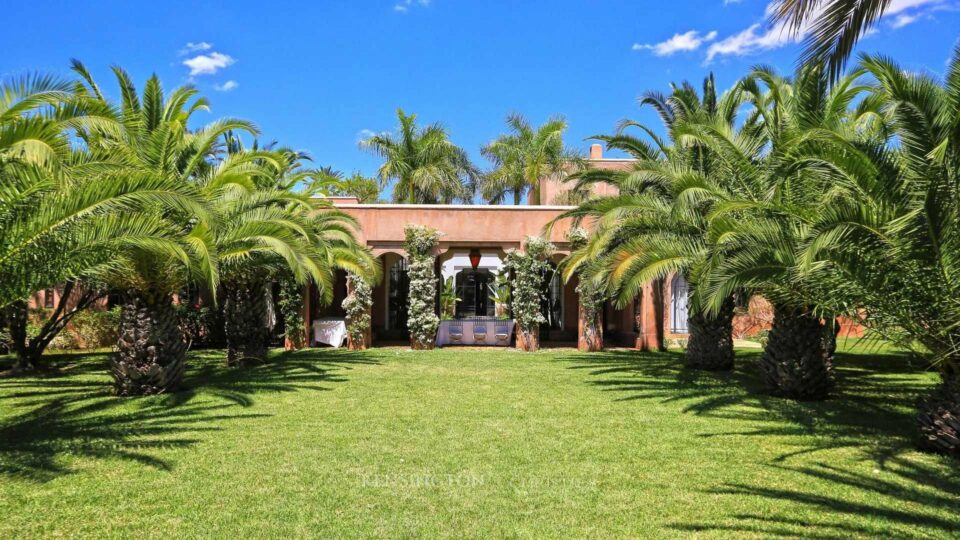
<point>381,225</point>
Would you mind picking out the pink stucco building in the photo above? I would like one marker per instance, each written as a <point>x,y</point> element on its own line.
<point>491,230</point>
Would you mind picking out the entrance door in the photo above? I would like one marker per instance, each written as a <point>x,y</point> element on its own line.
<point>399,292</point>
<point>473,288</point>
<point>679,292</point>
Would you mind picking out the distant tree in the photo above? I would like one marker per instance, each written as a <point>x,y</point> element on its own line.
<point>426,166</point>
<point>524,157</point>
<point>364,188</point>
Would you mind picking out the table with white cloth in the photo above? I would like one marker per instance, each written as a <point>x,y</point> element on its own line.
<point>467,327</point>
<point>330,330</point>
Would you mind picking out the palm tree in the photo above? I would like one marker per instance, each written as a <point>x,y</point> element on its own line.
<point>523,158</point>
<point>155,142</point>
<point>657,225</point>
<point>834,27</point>
<point>795,143</point>
<point>64,211</point>
<point>892,233</point>
<point>426,166</point>
<point>266,230</point>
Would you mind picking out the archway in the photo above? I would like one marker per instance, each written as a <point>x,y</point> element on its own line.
<point>679,296</point>
<point>552,305</point>
<point>473,287</point>
<point>398,292</point>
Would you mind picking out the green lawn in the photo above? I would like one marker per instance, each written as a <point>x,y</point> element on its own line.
<point>470,443</point>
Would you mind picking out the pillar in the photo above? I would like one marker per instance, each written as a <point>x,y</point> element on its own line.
<point>307,323</point>
<point>650,337</point>
<point>589,333</point>
<point>364,344</point>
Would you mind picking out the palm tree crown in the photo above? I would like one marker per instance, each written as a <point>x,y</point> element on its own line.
<point>525,157</point>
<point>425,165</point>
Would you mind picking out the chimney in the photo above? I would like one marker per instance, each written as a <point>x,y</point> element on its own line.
<point>596,151</point>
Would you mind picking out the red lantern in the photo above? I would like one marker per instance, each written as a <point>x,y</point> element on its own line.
<point>474,258</point>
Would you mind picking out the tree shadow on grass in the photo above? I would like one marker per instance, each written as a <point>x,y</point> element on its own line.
<point>903,499</point>
<point>872,408</point>
<point>69,412</point>
<point>872,412</point>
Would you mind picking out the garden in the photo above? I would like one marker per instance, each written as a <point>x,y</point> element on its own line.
<point>451,443</point>
<point>157,274</point>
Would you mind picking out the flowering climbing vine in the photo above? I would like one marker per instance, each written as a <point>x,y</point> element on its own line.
<point>290,304</point>
<point>422,319</point>
<point>357,306</point>
<point>590,296</point>
<point>529,267</point>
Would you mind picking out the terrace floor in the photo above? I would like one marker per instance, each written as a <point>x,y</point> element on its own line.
<point>468,443</point>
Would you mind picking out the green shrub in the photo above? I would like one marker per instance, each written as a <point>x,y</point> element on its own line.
<point>90,329</point>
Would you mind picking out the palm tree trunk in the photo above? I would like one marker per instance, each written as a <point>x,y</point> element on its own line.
<point>710,343</point>
<point>939,417</point>
<point>796,362</point>
<point>16,315</point>
<point>151,351</point>
<point>245,310</point>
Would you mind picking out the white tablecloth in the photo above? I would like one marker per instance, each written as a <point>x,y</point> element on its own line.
<point>330,330</point>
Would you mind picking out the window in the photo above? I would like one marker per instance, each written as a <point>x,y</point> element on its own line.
<point>473,289</point>
<point>678,305</point>
<point>399,290</point>
<point>48,298</point>
<point>552,308</point>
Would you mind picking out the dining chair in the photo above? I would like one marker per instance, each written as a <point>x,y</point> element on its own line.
<point>502,332</point>
<point>480,332</point>
<point>456,331</point>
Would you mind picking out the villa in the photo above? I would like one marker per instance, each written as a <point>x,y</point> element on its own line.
<point>472,252</point>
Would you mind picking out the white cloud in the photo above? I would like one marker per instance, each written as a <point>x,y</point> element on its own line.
<point>753,39</point>
<point>896,6</point>
<point>687,41</point>
<point>760,36</point>
<point>903,19</point>
<point>404,6</point>
<point>226,87</point>
<point>365,134</point>
<point>208,64</point>
<point>192,47</point>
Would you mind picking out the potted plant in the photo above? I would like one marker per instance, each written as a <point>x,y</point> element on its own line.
<point>448,300</point>
<point>500,295</point>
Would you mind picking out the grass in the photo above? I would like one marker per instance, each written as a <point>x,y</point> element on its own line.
<point>468,443</point>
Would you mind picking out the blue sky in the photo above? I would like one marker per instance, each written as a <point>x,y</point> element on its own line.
<point>316,76</point>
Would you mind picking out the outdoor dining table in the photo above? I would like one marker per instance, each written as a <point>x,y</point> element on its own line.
<point>468,328</point>
<point>330,330</point>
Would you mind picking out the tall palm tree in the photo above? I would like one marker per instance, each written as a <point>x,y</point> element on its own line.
<point>266,230</point>
<point>156,142</point>
<point>657,225</point>
<point>785,173</point>
<point>64,211</point>
<point>426,166</point>
<point>892,233</point>
<point>523,158</point>
<point>834,27</point>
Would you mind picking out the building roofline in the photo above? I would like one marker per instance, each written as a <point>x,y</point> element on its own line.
<point>463,206</point>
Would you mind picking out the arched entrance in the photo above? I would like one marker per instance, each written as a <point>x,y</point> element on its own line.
<point>551,307</point>
<point>398,291</point>
<point>474,289</point>
<point>679,296</point>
